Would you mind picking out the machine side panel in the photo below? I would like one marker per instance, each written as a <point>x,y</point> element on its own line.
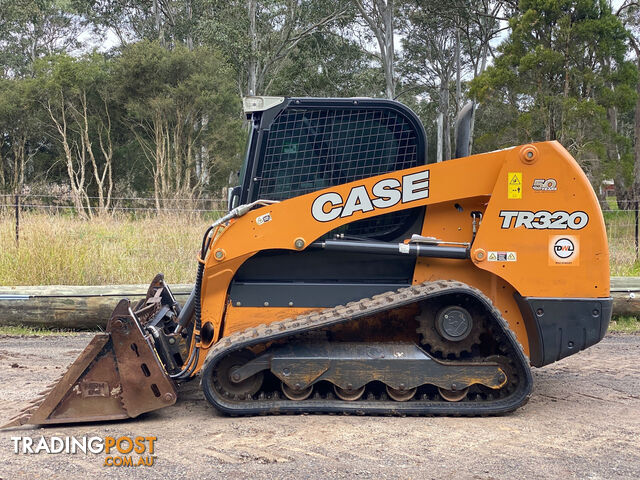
<point>548,239</point>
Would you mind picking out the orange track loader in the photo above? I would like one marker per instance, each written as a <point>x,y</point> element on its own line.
<point>350,275</point>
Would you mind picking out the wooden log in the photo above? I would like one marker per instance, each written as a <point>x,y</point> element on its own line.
<point>70,307</point>
<point>626,295</point>
<point>89,308</point>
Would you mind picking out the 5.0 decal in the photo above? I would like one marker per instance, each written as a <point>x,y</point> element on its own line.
<point>544,220</point>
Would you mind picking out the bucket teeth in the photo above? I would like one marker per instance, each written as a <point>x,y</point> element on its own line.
<point>21,418</point>
<point>26,412</point>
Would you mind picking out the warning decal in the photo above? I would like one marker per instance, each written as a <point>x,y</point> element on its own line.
<point>514,185</point>
<point>502,256</point>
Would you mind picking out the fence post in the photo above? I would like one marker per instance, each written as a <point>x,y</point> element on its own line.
<point>636,226</point>
<point>18,220</point>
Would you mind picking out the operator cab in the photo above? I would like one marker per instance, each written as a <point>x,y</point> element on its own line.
<point>301,145</point>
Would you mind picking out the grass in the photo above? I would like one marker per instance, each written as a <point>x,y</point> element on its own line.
<point>621,234</point>
<point>25,331</point>
<point>64,250</point>
<point>624,324</point>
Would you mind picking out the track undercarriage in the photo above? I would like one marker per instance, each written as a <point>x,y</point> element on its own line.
<point>438,348</point>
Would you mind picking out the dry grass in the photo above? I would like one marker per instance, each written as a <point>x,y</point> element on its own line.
<point>621,235</point>
<point>624,324</point>
<point>63,250</point>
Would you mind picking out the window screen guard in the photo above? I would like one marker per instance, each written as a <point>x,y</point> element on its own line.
<point>311,148</point>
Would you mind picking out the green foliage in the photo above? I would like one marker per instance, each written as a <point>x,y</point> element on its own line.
<point>189,97</point>
<point>562,75</point>
<point>30,29</point>
<point>259,50</point>
<point>328,65</point>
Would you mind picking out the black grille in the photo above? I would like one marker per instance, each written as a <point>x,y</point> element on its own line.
<point>310,149</point>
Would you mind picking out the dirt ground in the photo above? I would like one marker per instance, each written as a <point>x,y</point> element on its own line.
<point>583,421</point>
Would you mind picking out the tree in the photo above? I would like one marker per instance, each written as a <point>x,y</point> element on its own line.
<point>429,60</point>
<point>444,45</point>
<point>76,94</point>
<point>478,23</point>
<point>257,37</point>
<point>558,74</point>
<point>20,139</point>
<point>328,65</point>
<point>629,13</point>
<point>31,29</point>
<point>182,109</point>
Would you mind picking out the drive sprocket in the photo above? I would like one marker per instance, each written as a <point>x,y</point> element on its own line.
<point>459,339</point>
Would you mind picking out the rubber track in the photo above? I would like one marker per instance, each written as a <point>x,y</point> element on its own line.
<point>352,311</point>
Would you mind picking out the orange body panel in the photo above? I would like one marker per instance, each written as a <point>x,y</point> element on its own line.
<point>532,275</point>
<point>456,188</point>
<point>240,318</point>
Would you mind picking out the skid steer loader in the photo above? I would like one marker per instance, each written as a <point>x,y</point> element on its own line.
<point>352,276</point>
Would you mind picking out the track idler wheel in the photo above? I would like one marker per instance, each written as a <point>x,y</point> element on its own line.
<point>453,395</point>
<point>296,394</point>
<point>223,377</point>
<point>349,394</point>
<point>401,395</point>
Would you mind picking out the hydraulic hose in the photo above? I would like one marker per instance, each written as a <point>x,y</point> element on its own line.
<point>195,297</point>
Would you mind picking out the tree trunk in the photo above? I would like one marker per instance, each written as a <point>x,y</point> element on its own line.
<point>203,164</point>
<point>19,143</point>
<point>381,24</point>
<point>76,177</point>
<point>156,14</point>
<point>636,148</point>
<point>189,12</point>
<point>439,138</point>
<point>389,74</point>
<point>623,193</point>
<point>106,146</point>
<point>252,67</point>
<point>444,109</point>
<point>88,146</point>
<point>458,74</point>
<point>3,182</point>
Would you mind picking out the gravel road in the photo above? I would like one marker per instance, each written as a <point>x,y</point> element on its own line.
<point>583,421</point>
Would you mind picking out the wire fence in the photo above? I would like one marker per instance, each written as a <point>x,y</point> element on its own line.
<point>129,206</point>
<point>622,224</point>
<point>64,203</point>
